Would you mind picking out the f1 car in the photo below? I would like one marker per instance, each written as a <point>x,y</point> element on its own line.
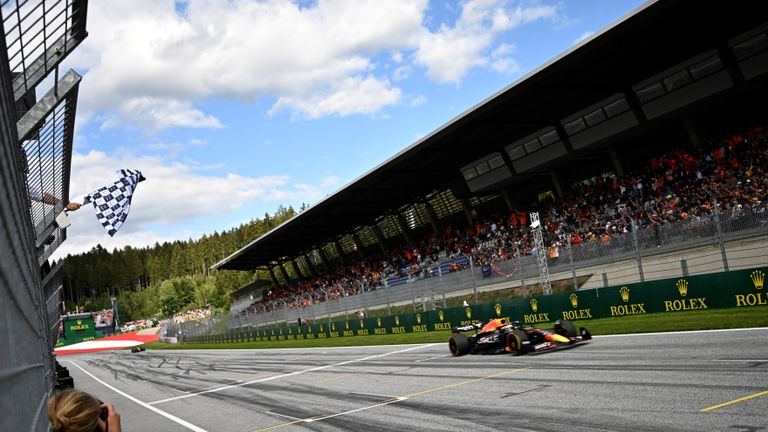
<point>501,336</point>
<point>138,348</point>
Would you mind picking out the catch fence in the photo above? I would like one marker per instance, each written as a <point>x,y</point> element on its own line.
<point>737,239</point>
<point>35,153</point>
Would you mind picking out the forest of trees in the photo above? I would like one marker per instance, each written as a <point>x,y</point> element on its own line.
<point>163,279</point>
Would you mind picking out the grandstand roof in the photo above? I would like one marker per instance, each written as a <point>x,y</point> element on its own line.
<point>655,37</point>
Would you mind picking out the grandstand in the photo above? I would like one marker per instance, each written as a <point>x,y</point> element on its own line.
<point>655,121</point>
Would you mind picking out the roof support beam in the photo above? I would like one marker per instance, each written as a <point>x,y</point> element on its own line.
<point>635,105</point>
<point>358,244</point>
<point>468,211</point>
<point>273,277</point>
<point>563,135</point>
<point>617,166</point>
<point>297,269</point>
<point>433,219</point>
<point>285,274</point>
<point>311,264</point>
<point>556,183</point>
<point>508,200</point>
<point>339,251</point>
<point>403,227</point>
<point>731,64</point>
<point>324,259</point>
<point>379,238</point>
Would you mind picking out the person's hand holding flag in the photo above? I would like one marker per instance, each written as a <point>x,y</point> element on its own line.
<point>113,202</point>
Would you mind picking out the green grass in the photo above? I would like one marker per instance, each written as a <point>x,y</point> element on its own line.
<point>756,316</point>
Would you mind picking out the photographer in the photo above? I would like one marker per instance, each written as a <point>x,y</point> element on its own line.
<point>78,411</point>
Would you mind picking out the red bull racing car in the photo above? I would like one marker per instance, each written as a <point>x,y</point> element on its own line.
<point>501,336</point>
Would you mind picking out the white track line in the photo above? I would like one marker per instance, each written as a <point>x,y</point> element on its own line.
<point>431,358</point>
<point>398,399</point>
<point>682,332</point>
<point>284,416</point>
<point>285,375</point>
<point>171,417</point>
<point>242,350</point>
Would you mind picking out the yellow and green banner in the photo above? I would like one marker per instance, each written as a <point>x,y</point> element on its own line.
<point>737,288</point>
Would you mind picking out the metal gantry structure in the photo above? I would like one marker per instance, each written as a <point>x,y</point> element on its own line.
<point>541,254</point>
<point>39,35</point>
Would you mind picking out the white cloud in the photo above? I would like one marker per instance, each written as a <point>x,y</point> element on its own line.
<point>401,73</point>
<point>502,61</point>
<point>583,37</point>
<point>172,195</point>
<point>152,114</point>
<point>351,95</point>
<point>330,181</point>
<point>174,149</point>
<point>417,100</point>
<point>149,65</point>
<point>451,52</point>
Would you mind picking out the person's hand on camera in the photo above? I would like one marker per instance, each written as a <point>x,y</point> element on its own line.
<point>112,422</point>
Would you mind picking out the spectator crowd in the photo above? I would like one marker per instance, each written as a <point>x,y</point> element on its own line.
<point>676,186</point>
<point>192,315</point>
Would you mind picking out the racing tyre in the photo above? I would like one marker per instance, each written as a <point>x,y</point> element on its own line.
<point>516,342</point>
<point>585,334</point>
<point>565,328</point>
<point>459,345</point>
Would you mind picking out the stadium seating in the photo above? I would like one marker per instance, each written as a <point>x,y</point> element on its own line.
<point>676,186</point>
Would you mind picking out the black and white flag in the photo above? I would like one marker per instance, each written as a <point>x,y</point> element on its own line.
<point>113,202</point>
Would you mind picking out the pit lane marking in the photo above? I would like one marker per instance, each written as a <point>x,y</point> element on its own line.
<point>741,399</point>
<point>392,400</point>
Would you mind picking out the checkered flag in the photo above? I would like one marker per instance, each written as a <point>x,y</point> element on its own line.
<point>113,202</point>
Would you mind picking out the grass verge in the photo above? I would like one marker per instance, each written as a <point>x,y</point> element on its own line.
<point>756,316</point>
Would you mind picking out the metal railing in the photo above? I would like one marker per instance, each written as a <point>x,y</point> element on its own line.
<point>46,133</point>
<point>36,141</point>
<point>678,249</point>
<point>39,35</point>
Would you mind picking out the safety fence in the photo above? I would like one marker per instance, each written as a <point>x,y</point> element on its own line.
<point>739,288</point>
<point>731,240</point>
<point>36,136</point>
<point>25,364</point>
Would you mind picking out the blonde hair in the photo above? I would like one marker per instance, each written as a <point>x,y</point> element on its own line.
<point>73,411</point>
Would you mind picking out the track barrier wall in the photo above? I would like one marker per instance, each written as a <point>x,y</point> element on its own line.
<point>735,240</point>
<point>737,288</point>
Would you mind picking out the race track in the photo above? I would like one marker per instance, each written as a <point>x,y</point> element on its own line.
<point>695,381</point>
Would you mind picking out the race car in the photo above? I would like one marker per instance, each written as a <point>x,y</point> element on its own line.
<point>501,336</point>
<point>138,348</point>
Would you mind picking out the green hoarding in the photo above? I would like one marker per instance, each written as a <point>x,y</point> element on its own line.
<point>739,288</point>
<point>79,329</point>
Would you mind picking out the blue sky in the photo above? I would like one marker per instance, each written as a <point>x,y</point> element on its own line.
<point>232,108</point>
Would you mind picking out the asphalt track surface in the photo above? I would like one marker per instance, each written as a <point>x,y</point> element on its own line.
<point>692,381</point>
